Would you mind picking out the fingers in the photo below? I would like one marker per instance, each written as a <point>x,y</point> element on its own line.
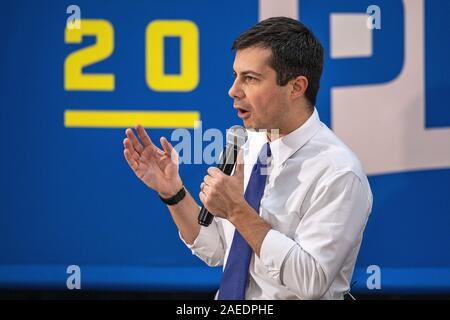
<point>208,183</point>
<point>208,180</point>
<point>203,194</point>
<point>129,146</point>
<point>134,140</point>
<point>146,141</point>
<point>166,146</point>
<point>215,172</point>
<point>239,167</point>
<point>213,177</point>
<point>136,146</point>
<point>131,162</point>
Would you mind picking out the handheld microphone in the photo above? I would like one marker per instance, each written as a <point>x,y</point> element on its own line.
<point>236,137</point>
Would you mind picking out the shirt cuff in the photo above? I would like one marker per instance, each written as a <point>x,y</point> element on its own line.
<point>275,248</point>
<point>204,237</point>
<point>207,241</point>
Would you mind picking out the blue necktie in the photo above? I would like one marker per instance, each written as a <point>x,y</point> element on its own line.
<point>235,275</point>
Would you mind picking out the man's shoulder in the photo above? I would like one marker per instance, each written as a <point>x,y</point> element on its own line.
<point>332,160</point>
<point>330,153</point>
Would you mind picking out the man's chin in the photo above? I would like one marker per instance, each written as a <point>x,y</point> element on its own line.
<point>248,126</point>
<point>252,127</point>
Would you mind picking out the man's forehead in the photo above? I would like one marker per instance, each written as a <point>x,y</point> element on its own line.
<point>252,59</point>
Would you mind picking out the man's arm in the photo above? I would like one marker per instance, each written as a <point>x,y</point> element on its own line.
<point>207,243</point>
<point>328,234</point>
<point>223,196</point>
<point>185,214</point>
<point>251,226</point>
<point>330,230</point>
<point>159,170</point>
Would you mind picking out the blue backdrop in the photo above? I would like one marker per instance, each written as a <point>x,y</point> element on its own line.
<point>69,198</point>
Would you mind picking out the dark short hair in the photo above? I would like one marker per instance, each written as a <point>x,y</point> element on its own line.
<point>295,51</point>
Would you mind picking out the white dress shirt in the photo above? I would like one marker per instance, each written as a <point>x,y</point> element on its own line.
<point>317,200</point>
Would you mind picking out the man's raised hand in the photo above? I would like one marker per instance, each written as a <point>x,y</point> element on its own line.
<point>157,168</point>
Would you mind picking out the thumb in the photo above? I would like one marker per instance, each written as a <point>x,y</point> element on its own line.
<point>169,149</point>
<point>239,168</point>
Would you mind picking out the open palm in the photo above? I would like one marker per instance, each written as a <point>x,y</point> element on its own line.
<point>157,168</point>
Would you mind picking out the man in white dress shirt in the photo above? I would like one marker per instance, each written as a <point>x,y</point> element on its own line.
<point>306,236</point>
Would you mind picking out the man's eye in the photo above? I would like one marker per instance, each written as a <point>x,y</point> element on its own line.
<point>250,78</point>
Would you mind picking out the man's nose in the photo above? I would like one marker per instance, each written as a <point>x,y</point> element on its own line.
<point>235,91</point>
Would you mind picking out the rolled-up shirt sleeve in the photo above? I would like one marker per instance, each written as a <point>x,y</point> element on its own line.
<point>328,232</point>
<point>208,245</point>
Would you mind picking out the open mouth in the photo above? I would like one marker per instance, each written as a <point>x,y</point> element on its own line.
<point>243,113</point>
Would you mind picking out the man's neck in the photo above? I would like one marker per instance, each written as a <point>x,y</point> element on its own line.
<point>296,123</point>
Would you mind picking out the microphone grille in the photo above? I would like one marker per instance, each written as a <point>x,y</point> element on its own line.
<point>237,136</point>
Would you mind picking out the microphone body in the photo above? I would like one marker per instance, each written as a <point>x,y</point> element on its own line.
<point>236,137</point>
<point>226,164</point>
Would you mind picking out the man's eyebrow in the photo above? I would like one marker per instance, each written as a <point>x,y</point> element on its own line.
<point>249,72</point>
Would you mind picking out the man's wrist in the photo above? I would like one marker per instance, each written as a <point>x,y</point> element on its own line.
<point>176,198</point>
<point>169,194</point>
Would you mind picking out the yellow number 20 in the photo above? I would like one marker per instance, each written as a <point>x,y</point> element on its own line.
<point>155,33</point>
<point>74,78</point>
<point>157,80</point>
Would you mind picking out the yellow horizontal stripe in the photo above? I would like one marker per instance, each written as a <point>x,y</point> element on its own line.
<point>125,119</point>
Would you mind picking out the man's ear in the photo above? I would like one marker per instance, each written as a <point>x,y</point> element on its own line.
<point>298,87</point>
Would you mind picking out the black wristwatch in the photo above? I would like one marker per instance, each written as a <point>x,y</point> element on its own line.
<point>176,198</point>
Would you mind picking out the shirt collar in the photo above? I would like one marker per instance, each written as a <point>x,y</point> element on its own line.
<point>283,148</point>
